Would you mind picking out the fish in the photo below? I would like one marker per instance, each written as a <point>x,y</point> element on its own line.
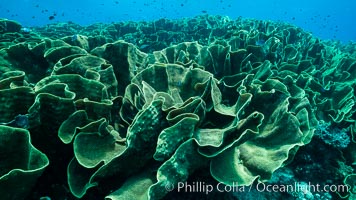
<point>25,30</point>
<point>144,46</point>
<point>20,121</point>
<point>74,37</point>
<point>260,42</point>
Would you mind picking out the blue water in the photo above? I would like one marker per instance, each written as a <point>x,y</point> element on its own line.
<point>327,19</point>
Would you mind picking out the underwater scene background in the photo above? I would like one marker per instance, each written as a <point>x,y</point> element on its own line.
<point>326,19</point>
<point>122,100</point>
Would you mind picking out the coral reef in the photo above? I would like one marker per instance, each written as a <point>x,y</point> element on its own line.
<point>333,136</point>
<point>131,110</point>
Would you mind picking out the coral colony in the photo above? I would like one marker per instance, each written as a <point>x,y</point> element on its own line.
<point>175,109</point>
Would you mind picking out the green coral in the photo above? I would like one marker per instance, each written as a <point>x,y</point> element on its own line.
<point>21,163</point>
<point>120,123</point>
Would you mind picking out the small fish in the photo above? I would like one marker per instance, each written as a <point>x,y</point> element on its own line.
<point>51,17</point>
<point>74,37</point>
<point>144,46</point>
<point>324,89</point>
<point>25,30</point>
<point>20,121</point>
<point>260,42</point>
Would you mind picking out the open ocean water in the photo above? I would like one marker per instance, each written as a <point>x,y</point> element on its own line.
<point>325,19</point>
<point>173,100</point>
